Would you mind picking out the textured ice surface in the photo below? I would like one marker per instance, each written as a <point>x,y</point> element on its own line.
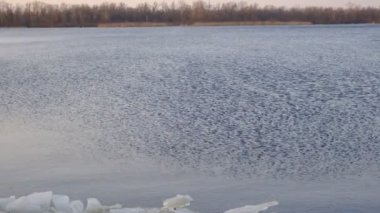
<point>84,111</point>
<point>248,101</point>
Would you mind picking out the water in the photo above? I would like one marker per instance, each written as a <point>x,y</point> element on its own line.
<point>231,115</point>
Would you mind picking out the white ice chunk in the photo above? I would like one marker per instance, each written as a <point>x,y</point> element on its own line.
<point>61,203</point>
<point>178,201</point>
<point>94,206</point>
<point>116,206</point>
<point>23,205</point>
<point>77,206</point>
<point>5,201</point>
<point>253,208</point>
<point>46,202</point>
<point>43,199</point>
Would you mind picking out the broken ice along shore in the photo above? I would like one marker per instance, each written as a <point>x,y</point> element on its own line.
<point>47,202</point>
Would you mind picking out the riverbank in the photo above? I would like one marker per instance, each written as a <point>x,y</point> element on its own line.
<point>227,23</point>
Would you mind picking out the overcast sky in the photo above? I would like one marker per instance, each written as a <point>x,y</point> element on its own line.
<point>288,3</point>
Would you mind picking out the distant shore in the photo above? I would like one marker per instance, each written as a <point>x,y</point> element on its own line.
<point>197,13</point>
<point>227,23</point>
<point>197,24</point>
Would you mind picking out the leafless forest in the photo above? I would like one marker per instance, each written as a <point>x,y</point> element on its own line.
<point>39,14</point>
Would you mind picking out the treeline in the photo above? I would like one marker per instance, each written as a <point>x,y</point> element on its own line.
<point>39,14</point>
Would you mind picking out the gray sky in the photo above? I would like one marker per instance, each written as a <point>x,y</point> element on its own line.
<point>288,3</point>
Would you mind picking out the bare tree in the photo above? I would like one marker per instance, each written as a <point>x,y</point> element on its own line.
<point>39,14</point>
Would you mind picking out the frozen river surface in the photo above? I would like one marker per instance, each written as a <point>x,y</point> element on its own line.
<point>230,115</point>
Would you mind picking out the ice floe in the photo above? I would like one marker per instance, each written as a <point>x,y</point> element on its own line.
<point>179,201</point>
<point>47,202</point>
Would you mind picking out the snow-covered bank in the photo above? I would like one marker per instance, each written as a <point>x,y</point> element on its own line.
<point>44,202</point>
